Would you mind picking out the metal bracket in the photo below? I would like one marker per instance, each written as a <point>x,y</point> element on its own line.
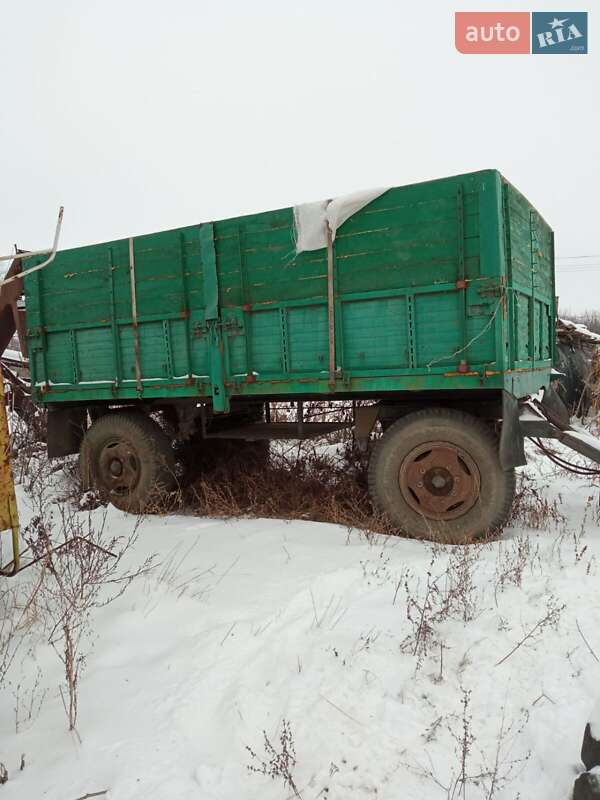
<point>365,418</point>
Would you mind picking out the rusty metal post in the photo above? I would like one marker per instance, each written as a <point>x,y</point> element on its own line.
<point>9,518</point>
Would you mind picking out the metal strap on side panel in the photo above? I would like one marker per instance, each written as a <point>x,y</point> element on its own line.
<point>209,271</point>
<point>330,307</point>
<point>535,252</point>
<point>134,317</point>
<point>461,281</point>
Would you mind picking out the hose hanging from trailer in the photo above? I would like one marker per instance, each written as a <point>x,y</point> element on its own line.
<point>576,469</point>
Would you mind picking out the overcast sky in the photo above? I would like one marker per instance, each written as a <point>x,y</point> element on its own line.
<point>142,115</point>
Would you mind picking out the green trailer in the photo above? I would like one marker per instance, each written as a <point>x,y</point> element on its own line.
<point>431,307</point>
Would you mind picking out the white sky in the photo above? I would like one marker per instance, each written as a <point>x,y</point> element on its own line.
<point>142,115</point>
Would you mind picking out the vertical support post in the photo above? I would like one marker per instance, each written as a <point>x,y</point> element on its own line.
<point>461,282</point>
<point>554,307</point>
<point>410,333</point>
<point>41,330</point>
<point>74,355</point>
<point>283,332</point>
<point>492,253</point>
<point>534,244</point>
<point>168,348</point>
<point>9,518</point>
<point>134,318</point>
<point>244,304</point>
<point>510,303</point>
<point>186,309</point>
<point>216,345</point>
<point>330,307</point>
<point>113,318</point>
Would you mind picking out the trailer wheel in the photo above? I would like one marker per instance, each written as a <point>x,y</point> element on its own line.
<point>129,458</point>
<point>437,475</point>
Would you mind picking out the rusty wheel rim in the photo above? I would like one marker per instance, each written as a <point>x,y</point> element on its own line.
<point>119,467</point>
<point>439,480</point>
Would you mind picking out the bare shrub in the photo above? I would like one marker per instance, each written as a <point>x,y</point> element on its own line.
<point>9,641</point>
<point>504,767</point>
<point>277,763</point>
<point>451,594</point>
<point>18,616</point>
<point>28,701</point>
<point>578,534</point>
<point>550,619</point>
<point>81,569</point>
<point>464,740</point>
<point>473,769</point>
<point>514,556</point>
<point>28,431</point>
<point>531,508</point>
<point>460,593</point>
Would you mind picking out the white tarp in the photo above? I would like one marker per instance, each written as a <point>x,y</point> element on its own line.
<point>310,219</point>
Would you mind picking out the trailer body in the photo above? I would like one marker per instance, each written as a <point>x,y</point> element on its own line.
<point>446,285</point>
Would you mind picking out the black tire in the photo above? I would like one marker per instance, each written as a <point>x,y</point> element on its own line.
<point>129,459</point>
<point>458,451</point>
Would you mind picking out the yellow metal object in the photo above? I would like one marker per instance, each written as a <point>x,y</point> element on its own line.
<point>9,518</point>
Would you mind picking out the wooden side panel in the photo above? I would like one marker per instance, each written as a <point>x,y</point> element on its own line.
<point>531,282</point>
<point>376,334</point>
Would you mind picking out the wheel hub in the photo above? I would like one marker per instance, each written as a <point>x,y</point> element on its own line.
<point>119,467</point>
<point>116,468</point>
<point>439,480</point>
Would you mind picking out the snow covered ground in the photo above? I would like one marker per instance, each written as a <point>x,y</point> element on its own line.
<point>369,648</point>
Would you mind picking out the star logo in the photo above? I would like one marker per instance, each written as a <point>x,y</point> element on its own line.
<point>558,32</point>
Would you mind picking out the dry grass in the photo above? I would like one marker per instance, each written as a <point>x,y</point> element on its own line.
<point>309,482</point>
<point>531,508</point>
<point>299,482</point>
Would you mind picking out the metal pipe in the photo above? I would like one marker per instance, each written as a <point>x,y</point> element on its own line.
<point>28,254</point>
<point>21,256</point>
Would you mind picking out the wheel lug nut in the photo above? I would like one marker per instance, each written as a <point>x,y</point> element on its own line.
<point>420,484</point>
<point>422,471</point>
